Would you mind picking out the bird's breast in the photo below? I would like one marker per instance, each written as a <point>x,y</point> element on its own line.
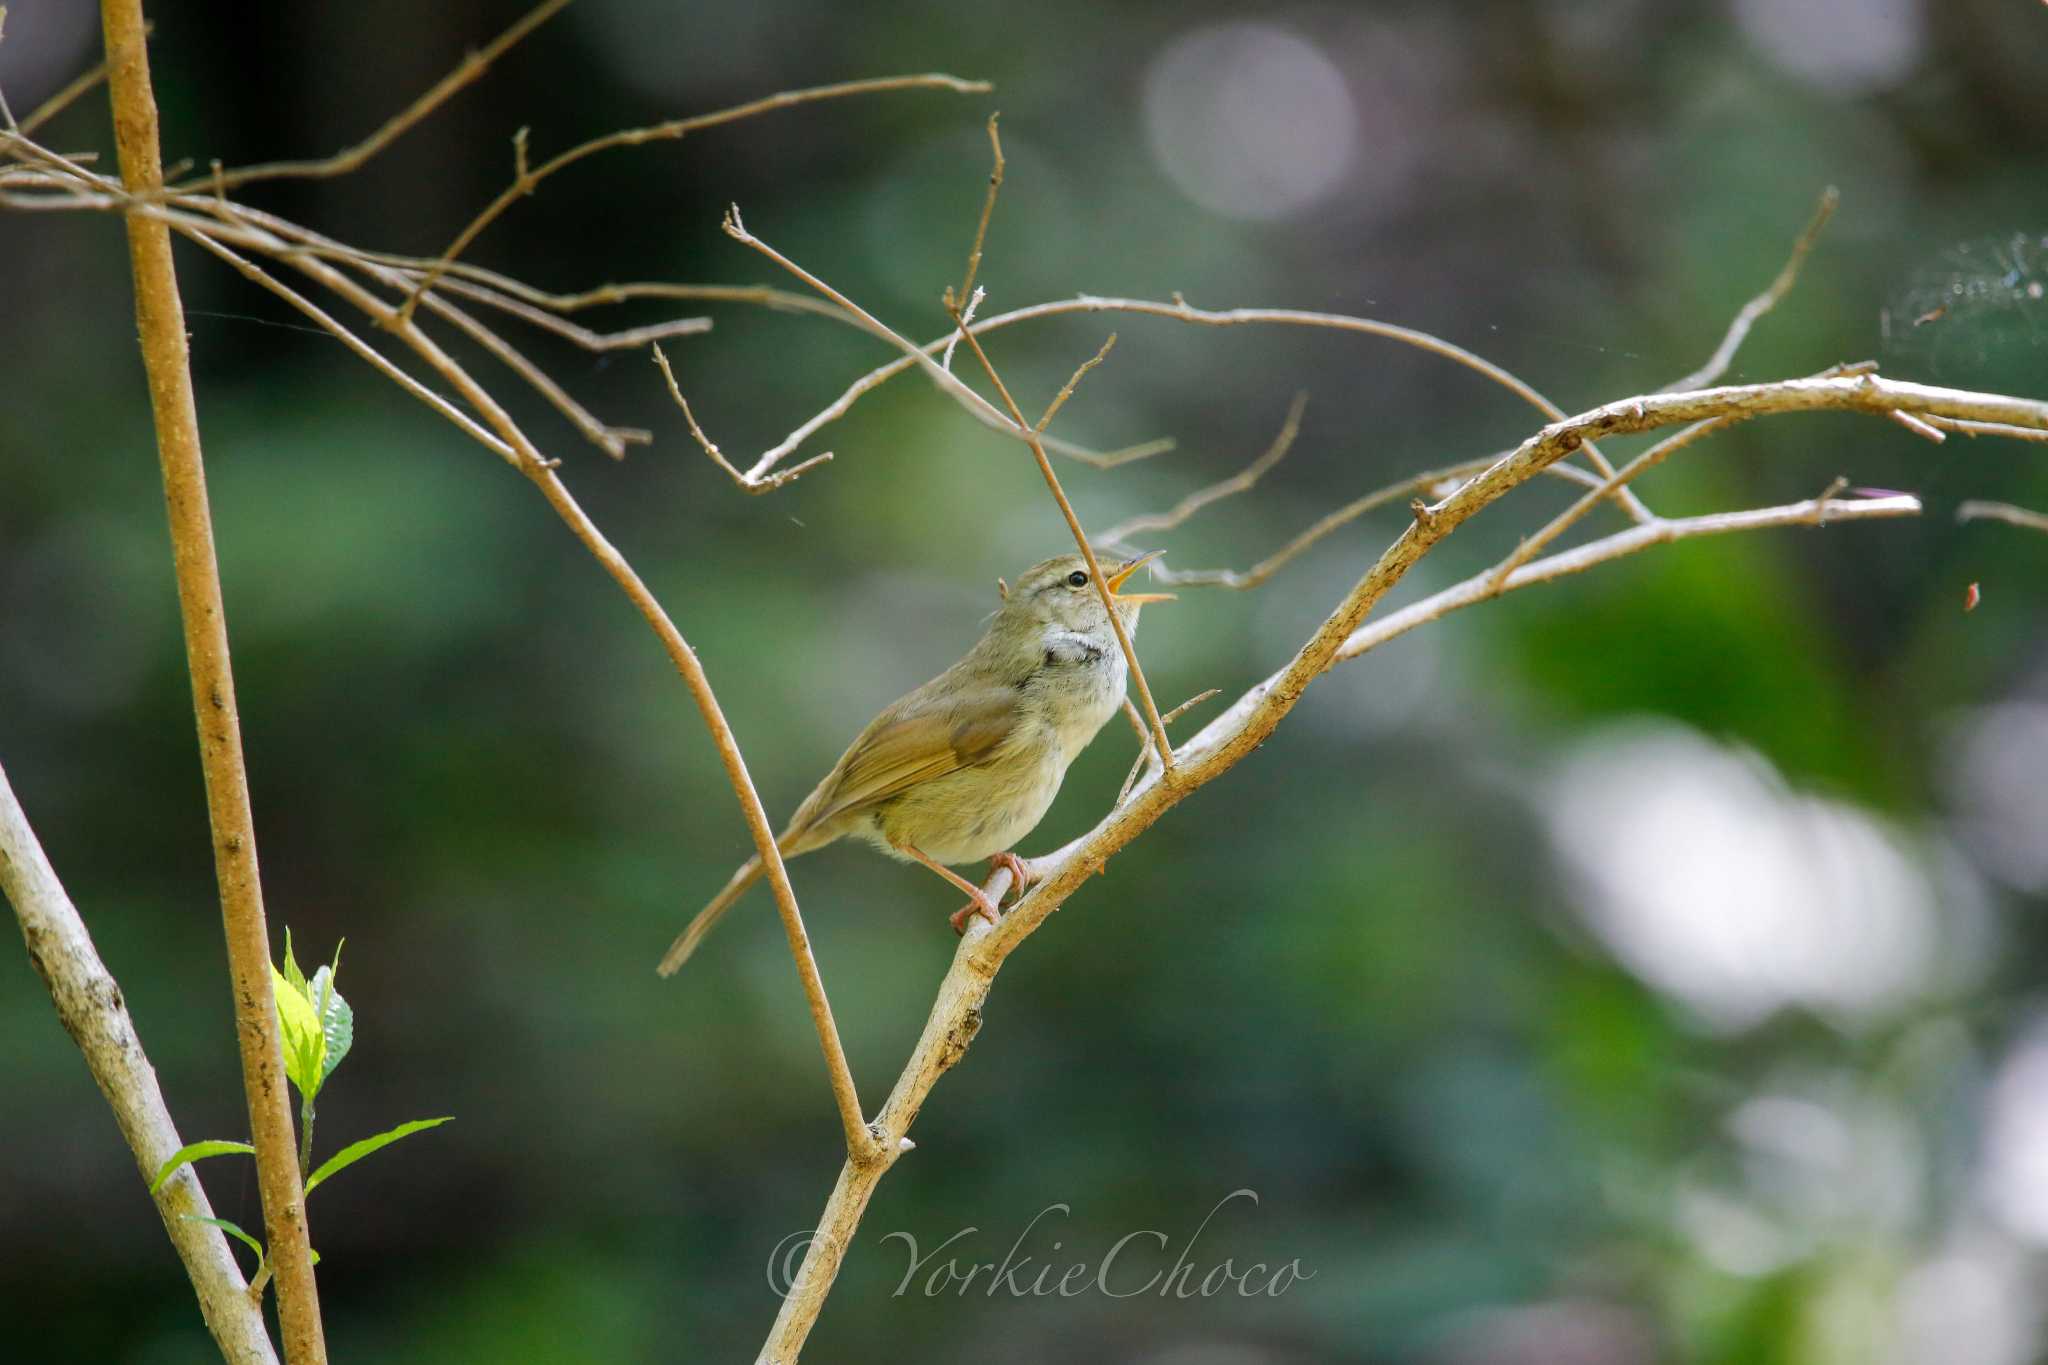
<point>1080,698</point>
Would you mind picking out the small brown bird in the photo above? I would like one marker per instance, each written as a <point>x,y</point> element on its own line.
<point>966,765</point>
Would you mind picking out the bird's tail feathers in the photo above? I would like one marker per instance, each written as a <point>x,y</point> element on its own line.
<point>707,919</point>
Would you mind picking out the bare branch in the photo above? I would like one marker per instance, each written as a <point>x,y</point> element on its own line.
<point>767,485</point>
<point>1432,482</point>
<point>1977,509</point>
<point>1738,330</point>
<point>1239,482</point>
<point>611,440</point>
<point>64,98</point>
<point>954,303</point>
<point>88,1002</point>
<point>341,163</point>
<point>1969,428</point>
<point>1179,311</point>
<point>1923,429</point>
<point>1067,390</point>
<point>258,275</point>
<point>525,183</point>
<point>1147,755</point>
<point>1484,587</point>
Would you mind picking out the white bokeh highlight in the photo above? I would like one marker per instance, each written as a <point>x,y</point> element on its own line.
<point>1997,782</point>
<point>1249,120</point>
<point>1707,876</point>
<point>1842,47</point>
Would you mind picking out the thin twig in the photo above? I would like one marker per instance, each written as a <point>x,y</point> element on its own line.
<point>1482,587</point>
<point>1926,431</point>
<point>342,162</point>
<point>955,303</point>
<point>611,440</point>
<point>1148,755</point>
<point>160,320</point>
<point>1978,509</point>
<point>1738,330</point>
<point>64,98</point>
<point>1237,483</point>
<point>1663,450</point>
<point>1095,574</point>
<point>257,275</point>
<point>1717,364</point>
<point>625,339</point>
<point>1431,482</point>
<point>525,183</point>
<point>1969,428</point>
<point>767,485</point>
<point>1067,390</point>
<point>1180,311</point>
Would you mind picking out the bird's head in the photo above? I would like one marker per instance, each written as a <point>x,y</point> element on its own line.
<point>1060,592</point>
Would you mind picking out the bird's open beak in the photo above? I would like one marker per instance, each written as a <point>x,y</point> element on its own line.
<point>1125,570</point>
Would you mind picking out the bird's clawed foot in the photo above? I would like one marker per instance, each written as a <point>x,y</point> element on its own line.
<point>1021,876</point>
<point>980,905</point>
<point>1020,871</point>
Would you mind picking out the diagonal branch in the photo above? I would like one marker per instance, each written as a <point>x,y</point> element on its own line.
<point>89,1005</point>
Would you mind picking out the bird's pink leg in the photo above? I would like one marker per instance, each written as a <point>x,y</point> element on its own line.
<point>978,901</point>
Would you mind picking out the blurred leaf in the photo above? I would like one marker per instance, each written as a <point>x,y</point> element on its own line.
<point>196,1151</point>
<point>356,1151</point>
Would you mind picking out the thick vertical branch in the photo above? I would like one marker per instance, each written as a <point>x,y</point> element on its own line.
<point>160,318</point>
<point>89,1005</point>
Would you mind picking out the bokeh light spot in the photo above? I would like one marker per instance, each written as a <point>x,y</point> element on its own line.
<point>1249,120</point>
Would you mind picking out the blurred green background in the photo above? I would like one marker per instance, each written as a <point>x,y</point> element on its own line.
<point>1646,968</point>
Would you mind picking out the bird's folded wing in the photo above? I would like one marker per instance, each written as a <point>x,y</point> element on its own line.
<point>916,746</point>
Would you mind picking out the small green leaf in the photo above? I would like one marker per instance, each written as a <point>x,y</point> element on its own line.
<point>195,1151</point>
<point>305,1043</point>
<point>231,1230</point>
<point>338,1021</point>
<point>356,1151</point>
<point>291,966</point>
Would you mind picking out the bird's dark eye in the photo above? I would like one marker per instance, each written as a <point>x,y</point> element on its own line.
<point>1077,579</point>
